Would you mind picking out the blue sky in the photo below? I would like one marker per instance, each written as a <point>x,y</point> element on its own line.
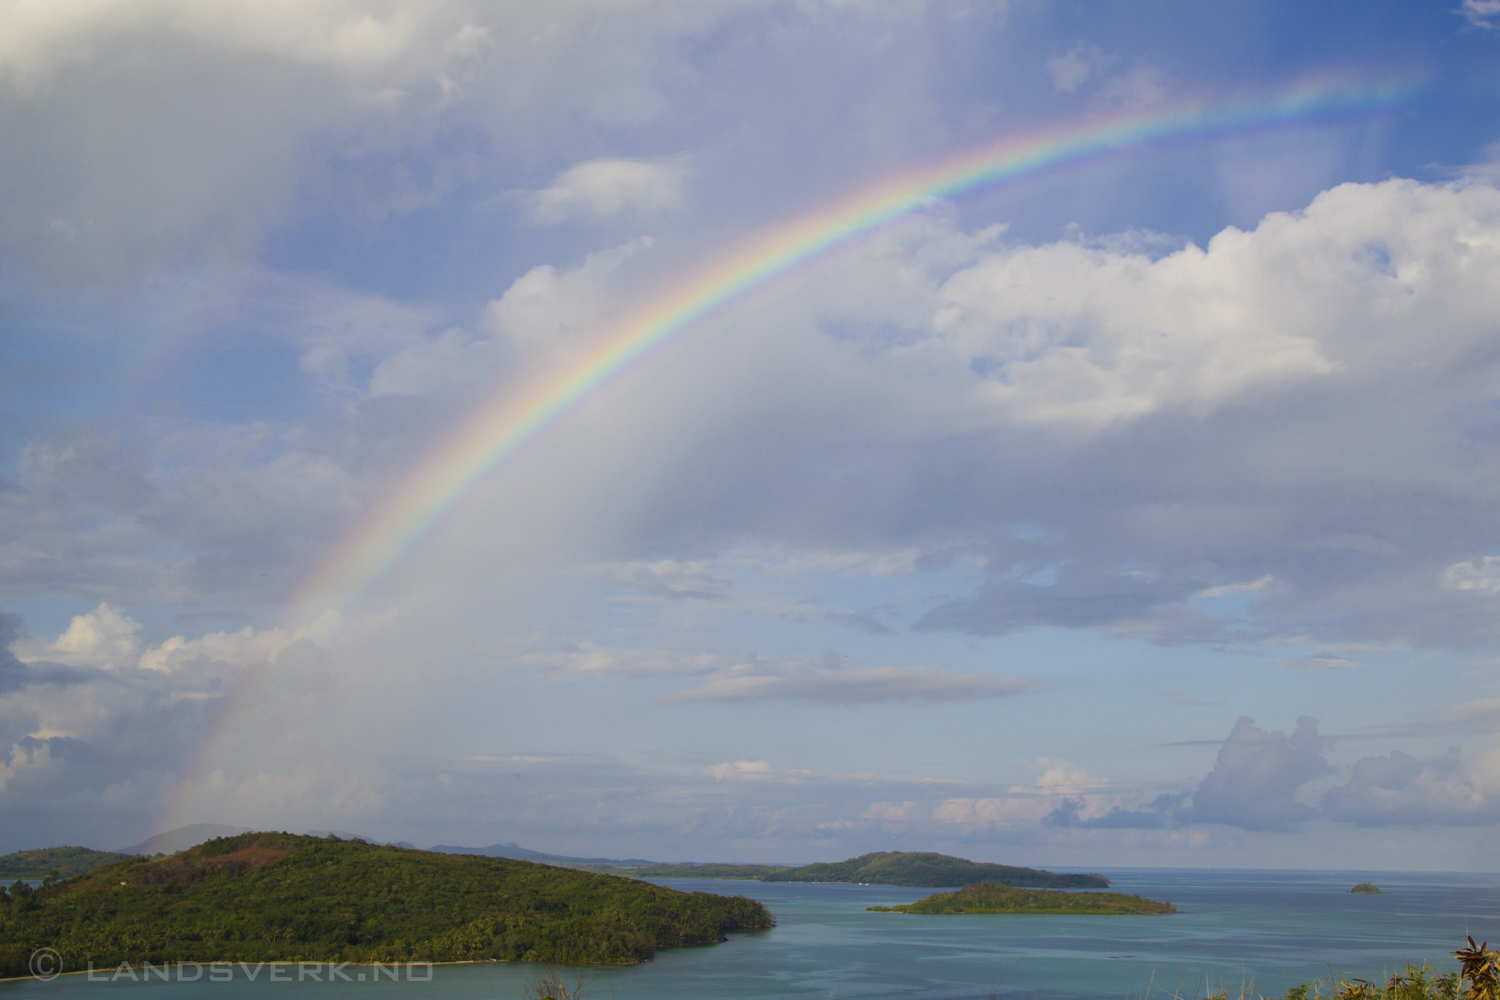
<point>1139,513</point>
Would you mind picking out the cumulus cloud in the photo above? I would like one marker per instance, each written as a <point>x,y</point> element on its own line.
<point>1087,357</point>
<point>1401,789</point>
<point>1279,433</point>
<point>1305,321</point>
<point>548,308</point>
<point>991,812</point>
<point>290,100</point>
<point>103,638</point>
<point>1256,775</point>
<point>1062,777</point>
<point>108,639</point>
<point>604,189</point>
<point>41,39</point>
<point>1256,780</point>
<point>1474,574</point>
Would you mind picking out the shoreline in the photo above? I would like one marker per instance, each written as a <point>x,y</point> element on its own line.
<point>262,965</point>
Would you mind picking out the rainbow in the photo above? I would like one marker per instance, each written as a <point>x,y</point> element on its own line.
<point>500,427</point>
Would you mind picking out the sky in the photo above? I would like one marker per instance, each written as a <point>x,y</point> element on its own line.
<point>1059,434</point>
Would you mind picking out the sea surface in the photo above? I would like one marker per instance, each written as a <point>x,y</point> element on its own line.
<point>1247,932</point>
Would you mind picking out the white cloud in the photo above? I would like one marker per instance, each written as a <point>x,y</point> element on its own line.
<point>1092,336</point>
<point>604,189</point>
<point>1254,587</point>
<point>103,638</point>
<point>1064,334</point>
<point>891,812</point>
<point>991,813</point>
<point>1481,574</point>
<point>740,770</point>
<point>1138,89</point>
<point>856,685</point>
<point>876,564</point>
<point>1479,12</point>
<point>1401,789</point>
<point>1073,67</point>
<point>590,659</point>
<point>108,639</point>
<point>823,679</point>
<point>242,648</point>
<point>546,308</point>
<point>40,38</point>
<point>664,578</point>
<point>1320,662</point>
<point>116,172</point>
<point>1061,777</point>
<point>1255,777</point>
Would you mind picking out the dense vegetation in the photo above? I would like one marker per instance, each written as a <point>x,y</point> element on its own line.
<point>1478,979</point>
<point>279,897</point>
<point>64,862</point>
<point>928,869</point>
<point>1367,888</point>
<point>988,897</point>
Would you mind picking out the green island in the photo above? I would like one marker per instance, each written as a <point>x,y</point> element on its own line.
<point>991,897</point>
<point>64,862</point>
<point>1368,889</point>
<point>912,868</point>
<point>263,897</point>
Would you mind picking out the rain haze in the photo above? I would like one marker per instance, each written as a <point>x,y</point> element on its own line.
<point>1059,434</point>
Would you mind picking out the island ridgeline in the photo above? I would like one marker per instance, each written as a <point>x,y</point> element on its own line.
<point>264,897</point>
<point>989,897</point>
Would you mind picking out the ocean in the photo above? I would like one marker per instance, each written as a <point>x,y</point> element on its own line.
<point>1256,932</point>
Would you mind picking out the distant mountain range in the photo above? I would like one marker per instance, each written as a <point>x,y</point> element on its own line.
<point>518,853</point>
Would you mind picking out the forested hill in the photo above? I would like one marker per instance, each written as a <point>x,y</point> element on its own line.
<point>987,898</point>
<point>929,869</point>
<point>280,897</point>
<point>65,861</point>
<point>887,868</point>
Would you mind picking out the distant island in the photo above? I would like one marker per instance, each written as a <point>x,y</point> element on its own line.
<point>753,873</point>
<point>518,853</point>
<point>264,897</point>
<point>912,868</point>
<point>1367,889</point>
<point>988,897</point>
<point>64,862</point>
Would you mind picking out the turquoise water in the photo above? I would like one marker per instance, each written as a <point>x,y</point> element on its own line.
<point>1265,930</point>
